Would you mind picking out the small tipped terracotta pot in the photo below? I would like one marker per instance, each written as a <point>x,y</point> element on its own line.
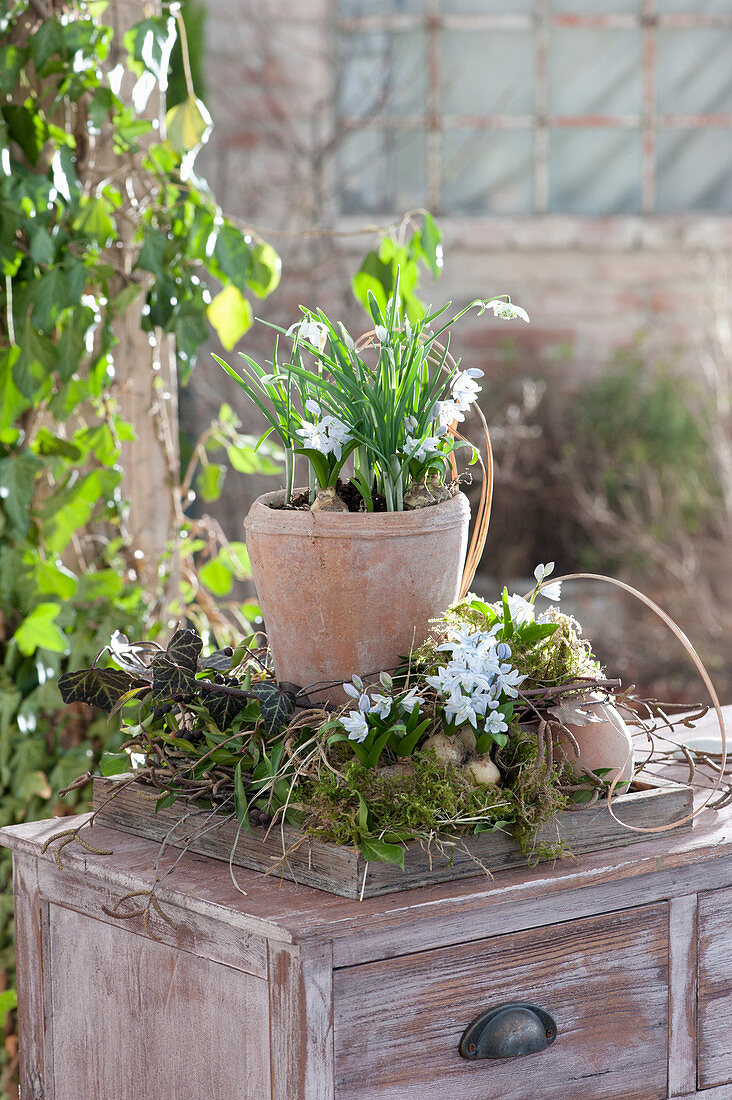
<point>603,744</point>
<point>345,593</point>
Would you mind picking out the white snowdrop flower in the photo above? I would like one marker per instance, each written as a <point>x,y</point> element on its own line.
<point>449,412</point>
<point>465,389</point>
<point>314,438</point>
<point>352,690</point>
<point>521,610</point>
<point>314,332</point>
<point>507,310</point>
<point>381,334</point>
<point>411,700</point>
<point>312,406</point>
<point>381,705</point>
<point>420,451</point>
<point>355,725</point>
<point>552,591</point>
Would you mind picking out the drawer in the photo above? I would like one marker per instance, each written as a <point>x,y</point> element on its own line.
<point>604,980</point>
<point>714,1000</point>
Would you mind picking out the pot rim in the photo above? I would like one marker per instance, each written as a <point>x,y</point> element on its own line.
<point>359,525</point>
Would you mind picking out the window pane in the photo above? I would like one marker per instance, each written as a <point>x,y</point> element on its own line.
<point>594,7</point>
<point>694,171</point>
<point>379,7</point>
<point>594,72</point>
<point>695,7</point>
<point>487,172</point>
<point>487,72</point>
<point>488,7</point>
<point>382,73</point>
<point>382,172</point>
<point>594,171</point>
<point>694,71</point>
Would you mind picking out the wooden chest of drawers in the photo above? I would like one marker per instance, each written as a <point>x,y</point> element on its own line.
<point>288,993</point>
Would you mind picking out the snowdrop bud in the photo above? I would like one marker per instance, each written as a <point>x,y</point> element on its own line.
<point>503,651</point>
<point>381,334</point>
<point>386,680</point>
<point>358,682</point>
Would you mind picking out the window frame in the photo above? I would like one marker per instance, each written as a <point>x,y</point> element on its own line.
<point>433,121</point>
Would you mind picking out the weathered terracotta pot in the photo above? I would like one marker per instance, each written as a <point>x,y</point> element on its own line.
<point>345,593</point>
<point>603,744</point>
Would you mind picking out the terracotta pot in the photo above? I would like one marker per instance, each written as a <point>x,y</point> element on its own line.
<point>603,744</point>
<point>345,593</point>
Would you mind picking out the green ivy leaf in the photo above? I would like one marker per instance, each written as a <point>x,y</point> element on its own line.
<point>12,60</point>
<point>276,704</point>
<point>40,631</point>
<point>48,40</point>
<point>231,315</point>
<point>217,578</point>
<point>12,401</point>
<point>17,485</point>
<point>264,276</point>
<point>233,255</point>
<point>224,708</point>
<point>185,648</point>
<point>170,681</point>
<point>210,481</point>
<point>149,44</point>
<point>46,443</point>
<point>36,361</point>
<point>27,128</point>
<point>99,687</point>
<point>95,220</point>
<point>114,763</point>
<point>375,276</point>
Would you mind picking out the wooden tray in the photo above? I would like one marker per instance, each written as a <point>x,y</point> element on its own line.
<point>343,870</point>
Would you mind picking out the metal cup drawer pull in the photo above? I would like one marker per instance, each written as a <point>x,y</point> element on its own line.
<point>509,1030</point>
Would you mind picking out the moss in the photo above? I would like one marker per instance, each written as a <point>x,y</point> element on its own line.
<point>437,799</point>
<point>432,799</point>
<point>562,657</point>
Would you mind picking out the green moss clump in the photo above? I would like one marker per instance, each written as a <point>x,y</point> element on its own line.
<point>559,659</point>
<point>429,799</point>
<point>535,791</point>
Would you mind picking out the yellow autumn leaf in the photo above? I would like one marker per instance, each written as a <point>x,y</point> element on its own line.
<point>231,315</point>
<point>188,124</point>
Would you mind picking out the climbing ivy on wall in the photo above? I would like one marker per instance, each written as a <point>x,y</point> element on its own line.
<point>76,254</point>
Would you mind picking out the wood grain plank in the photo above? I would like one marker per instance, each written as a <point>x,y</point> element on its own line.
<point>682,994</point>
<point>136,1018</point>
<point>201,935</point>
<point>715,989</point>
<point>301,1023</point>
<point>342,870</point>
<point>604,980</point>
<point>31,923</point>
<point>660,868</point>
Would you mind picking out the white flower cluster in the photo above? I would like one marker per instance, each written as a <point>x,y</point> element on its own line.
<point>476,679</point>
<point>464,391</point>
<point>328,434</point>
<point>356,723</point>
